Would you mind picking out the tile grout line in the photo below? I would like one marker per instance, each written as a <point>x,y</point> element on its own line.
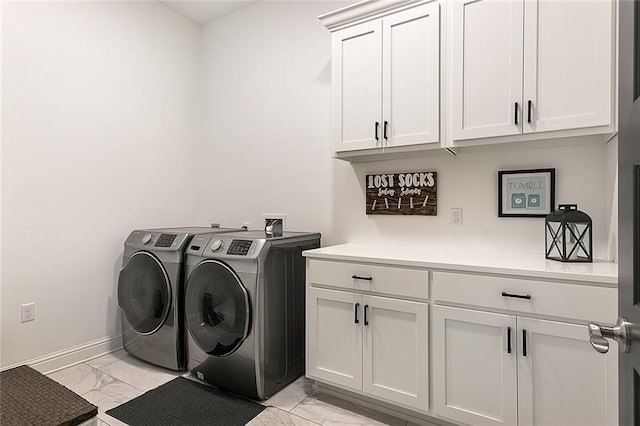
<point>301,401</point>
<point>106,374</point>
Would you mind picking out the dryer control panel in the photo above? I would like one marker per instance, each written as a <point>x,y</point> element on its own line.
<point>222,247</point>
<point>239,247</point>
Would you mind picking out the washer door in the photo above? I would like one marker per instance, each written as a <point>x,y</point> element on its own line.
<point>217,308</point>
<point>144,293</point>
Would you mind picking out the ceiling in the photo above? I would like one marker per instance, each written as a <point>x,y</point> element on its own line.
<point>205,11</point>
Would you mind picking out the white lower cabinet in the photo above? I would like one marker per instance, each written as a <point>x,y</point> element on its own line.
<point>562,380</point>
<point>492,349</point>
<point>334,337</point>
<point>498,369</point>
<point>369,344</point>
<point>474,370</point>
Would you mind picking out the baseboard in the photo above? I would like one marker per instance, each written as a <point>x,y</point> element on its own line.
<point>67,357</point>
<point>414,418</point>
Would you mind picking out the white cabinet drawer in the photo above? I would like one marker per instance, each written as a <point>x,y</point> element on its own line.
<point>413,283</point>
<point>580,302</point>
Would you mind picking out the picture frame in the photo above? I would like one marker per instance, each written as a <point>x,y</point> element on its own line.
<point>526,193</point>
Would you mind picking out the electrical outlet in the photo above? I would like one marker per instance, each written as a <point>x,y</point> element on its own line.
<point>455,219</point>
<point>27,312</point>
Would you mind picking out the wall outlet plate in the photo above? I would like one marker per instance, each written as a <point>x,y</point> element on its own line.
<point>455,218</point>
<point>27,312</point>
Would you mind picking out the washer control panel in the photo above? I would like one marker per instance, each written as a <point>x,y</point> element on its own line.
<point>239,247</point>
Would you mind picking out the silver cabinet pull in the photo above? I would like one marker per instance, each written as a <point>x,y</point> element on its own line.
<point>598,335</point>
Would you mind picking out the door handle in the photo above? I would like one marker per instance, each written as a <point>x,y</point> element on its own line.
<point>524,342</point>
<point>516,113</point>
<point>508,340</point>
<point>598,335</point>
<point>376,131</point>
<point>384,131</point>
<point>355,314</point>
<point>529,111</point>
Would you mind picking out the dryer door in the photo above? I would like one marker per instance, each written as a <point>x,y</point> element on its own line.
<point>144,292</point>
<point>217,308</point>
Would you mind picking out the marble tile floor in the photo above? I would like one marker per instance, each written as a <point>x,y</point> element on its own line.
<point>116,378</point>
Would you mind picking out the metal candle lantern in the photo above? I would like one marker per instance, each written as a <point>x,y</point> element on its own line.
<point>568,235</point>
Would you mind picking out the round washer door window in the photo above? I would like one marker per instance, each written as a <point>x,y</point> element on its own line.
<point>144,293</point>
<point>217,308</point>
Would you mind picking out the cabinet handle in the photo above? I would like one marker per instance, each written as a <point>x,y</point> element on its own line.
<point>524,342</point>
<point>384,132</point>
<point>516,113</point>
<point>376,131</point>
<point>355,314</point>
<point>517,296</point>
<point>508,340</point>
<point>365,315</point>
<point>357,277</point>
<point>529,111</point>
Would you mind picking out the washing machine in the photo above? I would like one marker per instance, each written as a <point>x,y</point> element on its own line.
<point>151,290</point>
<point>245,310</point>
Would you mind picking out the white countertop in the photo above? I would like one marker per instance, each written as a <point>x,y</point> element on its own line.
<point>528,265</point>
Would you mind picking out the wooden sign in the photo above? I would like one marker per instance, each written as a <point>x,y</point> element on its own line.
<point>411,193</point>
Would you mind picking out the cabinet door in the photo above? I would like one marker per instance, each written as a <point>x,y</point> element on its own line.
<point>562,380</point>
<point>411,76</point>
<point>395,355</point>
<point>568,64</point>
<point>487,68</point>
<point>357,86</point>
<point>474,372</point>
<point>334,339</point>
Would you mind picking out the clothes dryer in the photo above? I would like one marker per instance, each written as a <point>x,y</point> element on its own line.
<point>245,310</point>
<point>150,293</point>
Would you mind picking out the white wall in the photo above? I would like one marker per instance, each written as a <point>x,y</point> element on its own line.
<point>267,88</point>
<point>99,136</point>
<point>267,82</point>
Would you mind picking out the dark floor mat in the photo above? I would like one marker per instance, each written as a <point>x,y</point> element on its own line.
<point>183,402</point>
<point>28,397</point>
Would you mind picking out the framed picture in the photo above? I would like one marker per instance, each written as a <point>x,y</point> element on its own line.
<point>526,193</point>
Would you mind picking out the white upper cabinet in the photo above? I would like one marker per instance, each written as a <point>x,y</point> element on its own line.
<point>357,97</point>
<point>526,66</point>
<point>568,64</point>
<point>487,68</point>
<point>411,76</point>
<point>386,80</point>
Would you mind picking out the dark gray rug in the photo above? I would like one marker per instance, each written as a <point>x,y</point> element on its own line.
<point>183,402</point>
<point>28,398</point>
